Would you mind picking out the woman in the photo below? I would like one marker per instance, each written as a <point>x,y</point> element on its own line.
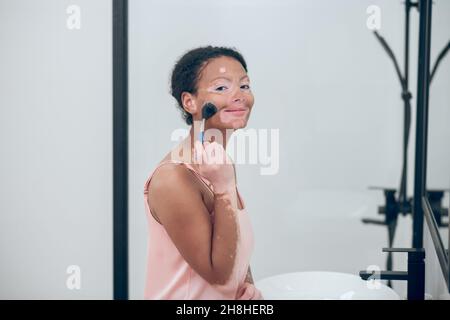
<point>200,236</point>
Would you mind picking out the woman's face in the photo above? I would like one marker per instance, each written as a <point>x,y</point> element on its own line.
<point>224,82</point>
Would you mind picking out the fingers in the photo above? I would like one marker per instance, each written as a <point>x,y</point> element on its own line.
<point>248,292</point>
<point>258,295</point>
<point>199,153</point>
<point>210,153</point>
<point>214,152</point>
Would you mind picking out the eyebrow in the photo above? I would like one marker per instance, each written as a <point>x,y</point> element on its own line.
<point>222,77</point>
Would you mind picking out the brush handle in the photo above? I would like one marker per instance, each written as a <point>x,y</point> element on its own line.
<point>201,135</point>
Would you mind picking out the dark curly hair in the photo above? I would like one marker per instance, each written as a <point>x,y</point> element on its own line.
<point>187,70</point>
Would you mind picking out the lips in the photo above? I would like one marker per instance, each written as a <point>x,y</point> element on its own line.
<point>230,114</point>
<point>235,109</point>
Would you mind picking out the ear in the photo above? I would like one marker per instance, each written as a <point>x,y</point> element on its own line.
<point>189,103</point>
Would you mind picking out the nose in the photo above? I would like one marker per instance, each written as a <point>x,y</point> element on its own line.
<point>238,96</point>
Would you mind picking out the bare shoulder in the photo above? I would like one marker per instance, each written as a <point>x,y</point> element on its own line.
<point>169,175</point>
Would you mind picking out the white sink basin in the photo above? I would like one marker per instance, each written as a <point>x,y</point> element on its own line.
<point>321,285</point>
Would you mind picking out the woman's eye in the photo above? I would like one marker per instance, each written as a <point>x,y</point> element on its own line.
<point>223,88</point>
<point>220,87</point>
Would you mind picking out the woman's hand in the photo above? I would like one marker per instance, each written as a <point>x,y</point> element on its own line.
<point>248,291</point>
<point>215,165</point>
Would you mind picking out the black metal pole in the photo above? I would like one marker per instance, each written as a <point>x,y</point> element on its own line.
<point>406,118</point>
<point>416,275</point>
<point>422,119</point>
<point>408,6</point>
<point>120,148</point>
<point>417,284</point>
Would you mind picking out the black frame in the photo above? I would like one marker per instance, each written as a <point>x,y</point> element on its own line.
<point>120,148</point>
<point>422,206</point>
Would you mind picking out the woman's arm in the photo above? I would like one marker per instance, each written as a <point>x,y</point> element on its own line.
<point>210,249</point>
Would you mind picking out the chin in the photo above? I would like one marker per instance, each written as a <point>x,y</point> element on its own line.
<point>237,124</point>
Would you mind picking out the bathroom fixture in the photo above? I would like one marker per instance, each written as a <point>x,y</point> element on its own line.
<point>322,285</point>
<point>416,270</point>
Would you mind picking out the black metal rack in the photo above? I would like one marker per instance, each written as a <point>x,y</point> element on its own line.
<point>423,203</point>
<point>401,204</point>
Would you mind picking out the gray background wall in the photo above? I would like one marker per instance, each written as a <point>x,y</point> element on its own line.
<point>318,75</point>
<point>56,146</point>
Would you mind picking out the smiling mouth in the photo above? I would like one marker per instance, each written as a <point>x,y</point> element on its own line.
<point>237,110</point>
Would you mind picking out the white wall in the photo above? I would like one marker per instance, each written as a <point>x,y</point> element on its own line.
<point>56,146</point>
<point>320,76</point>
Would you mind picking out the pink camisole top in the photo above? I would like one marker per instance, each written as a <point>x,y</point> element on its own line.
<point>170,277</point>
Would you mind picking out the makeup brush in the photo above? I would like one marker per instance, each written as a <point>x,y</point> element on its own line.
<point>208,111</point>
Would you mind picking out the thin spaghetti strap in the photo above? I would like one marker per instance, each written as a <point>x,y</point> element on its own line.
<point>207,183</point>
<point>240,198</point>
